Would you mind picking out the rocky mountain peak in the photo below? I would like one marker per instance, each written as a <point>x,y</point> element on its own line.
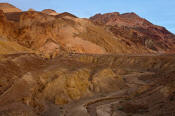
<point>115,18</point>
<point>6,7</point>
<point>50,12</point>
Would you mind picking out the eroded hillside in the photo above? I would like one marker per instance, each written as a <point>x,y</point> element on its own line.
<point>49,33</point>
<point>6,7</point>
<point>56,64</point>
<point>31,85</point>
<point>137,31</point>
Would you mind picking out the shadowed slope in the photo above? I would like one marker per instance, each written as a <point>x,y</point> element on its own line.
<point>92,81</point>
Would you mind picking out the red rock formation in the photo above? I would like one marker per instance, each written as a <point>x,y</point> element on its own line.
<point>137,31</point>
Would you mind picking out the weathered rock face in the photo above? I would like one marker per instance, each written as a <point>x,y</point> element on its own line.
<point>136,31</point>
<point>70,34</point>
<point>34,29</point>
<point>127,19</point>
<point>86,74</point>
<point>8,8</point>
<point>50,12</point>
<point>31,85</point>
<point>7,44</point>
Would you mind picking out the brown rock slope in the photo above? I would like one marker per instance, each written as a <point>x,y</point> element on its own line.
<point>136,31</point>
<point>50,35</point>
<point>50,12</point>
<point>101,79</point>
<point>11,47</point>
<point>37,30</point>
<point>8,8</point>
<point>8,46</point>
<point>83,85</point>
<point>65,32</point>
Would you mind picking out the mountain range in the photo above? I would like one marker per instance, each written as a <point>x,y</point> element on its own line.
<point>112,64</point>
<point>49,33</point>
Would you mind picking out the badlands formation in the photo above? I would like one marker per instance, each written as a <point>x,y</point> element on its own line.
<point>56,64</point>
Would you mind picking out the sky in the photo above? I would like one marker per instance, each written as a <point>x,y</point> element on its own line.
<point>159,12</point>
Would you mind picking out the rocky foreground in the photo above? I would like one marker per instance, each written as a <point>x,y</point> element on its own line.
<point>56,64</point>
<point>87,85</point>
